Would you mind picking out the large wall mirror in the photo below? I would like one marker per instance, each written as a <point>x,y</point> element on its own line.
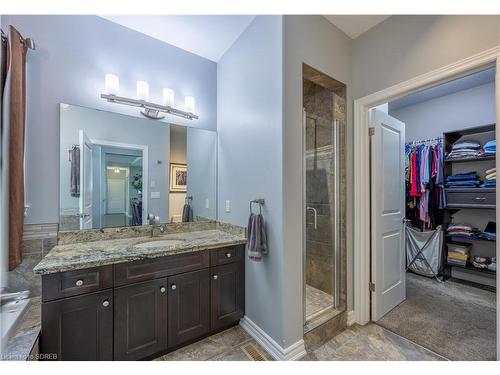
<point>116,169</point>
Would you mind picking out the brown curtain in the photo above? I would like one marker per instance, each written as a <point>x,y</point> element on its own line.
<point>17,112</point>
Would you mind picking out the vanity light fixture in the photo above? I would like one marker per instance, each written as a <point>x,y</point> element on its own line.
<point>151,110</point>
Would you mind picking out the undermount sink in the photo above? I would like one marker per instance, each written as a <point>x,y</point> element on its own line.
<point>158,243</point>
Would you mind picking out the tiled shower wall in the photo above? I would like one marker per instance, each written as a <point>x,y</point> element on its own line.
<point>323,107</point>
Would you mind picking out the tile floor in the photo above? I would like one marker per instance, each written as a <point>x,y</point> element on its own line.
<point>223,346</point>
<point>316,301</point>
<point>369,343</point>
<point>356,343</point>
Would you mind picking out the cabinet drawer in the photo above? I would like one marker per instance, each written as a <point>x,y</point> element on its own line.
<point>470,198</point>
<point>73,283</point>
<point>149,269</point>
<point>226,255</point>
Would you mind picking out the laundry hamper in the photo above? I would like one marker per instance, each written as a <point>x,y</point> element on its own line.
<point>423,251</point>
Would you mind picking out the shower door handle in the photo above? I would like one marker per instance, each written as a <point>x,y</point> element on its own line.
<point>315,212</point>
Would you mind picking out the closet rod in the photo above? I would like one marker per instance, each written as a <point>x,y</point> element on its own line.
<point>437,139</point>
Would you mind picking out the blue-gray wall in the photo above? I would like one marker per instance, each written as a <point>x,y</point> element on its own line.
<point>250,124</point>
<point>460,110</point>
<point>73,54</point>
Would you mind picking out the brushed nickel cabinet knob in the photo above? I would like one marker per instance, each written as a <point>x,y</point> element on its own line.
<point>79,282</point>
<point>215,277</point>
<point>173,287</point>
<point>105,303</point>
<point>162,289</point>
<point>228,255</point>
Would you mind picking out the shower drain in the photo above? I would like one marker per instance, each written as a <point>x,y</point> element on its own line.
<point>253,353</point>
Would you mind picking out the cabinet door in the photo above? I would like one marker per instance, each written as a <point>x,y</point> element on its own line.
<point>227,294</point>
<point>79,328</point>
<point>140,320</point>
<point>188,307</point>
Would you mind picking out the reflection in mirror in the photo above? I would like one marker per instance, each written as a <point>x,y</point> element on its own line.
<point>116,169</point>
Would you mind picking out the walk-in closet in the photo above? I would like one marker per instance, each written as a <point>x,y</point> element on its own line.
<point>449,225</point>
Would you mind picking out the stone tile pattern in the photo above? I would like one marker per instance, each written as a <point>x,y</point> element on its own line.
<point>25,336</point>
<point>324,327</point>
<point>317,301</point>
<point>369,343</point>
<point>223,346</point>
<point>324,102</point>
<point>356,343</point>
<point>38,240</point>
<point>99,253</point>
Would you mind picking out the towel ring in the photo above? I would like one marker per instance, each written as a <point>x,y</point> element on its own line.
<point>260,202</point>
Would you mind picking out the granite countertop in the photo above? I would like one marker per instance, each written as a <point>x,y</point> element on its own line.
<point>21,343</point>
<point>99,253</point>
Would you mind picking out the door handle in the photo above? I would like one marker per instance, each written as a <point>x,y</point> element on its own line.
<point>315,213</point>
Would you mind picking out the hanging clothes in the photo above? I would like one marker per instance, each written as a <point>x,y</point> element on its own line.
<point>425,194</point>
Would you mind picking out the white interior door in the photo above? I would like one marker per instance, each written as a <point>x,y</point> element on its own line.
<point>388,210</point>
<point>116,196</point>
<point>86,184</point>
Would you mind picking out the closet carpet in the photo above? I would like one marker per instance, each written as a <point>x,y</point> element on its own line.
<point>455,320</point>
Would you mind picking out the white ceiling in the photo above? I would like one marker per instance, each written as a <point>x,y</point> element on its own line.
<point>355,25</point>
<point>207,36</point>
<point>473,80</point>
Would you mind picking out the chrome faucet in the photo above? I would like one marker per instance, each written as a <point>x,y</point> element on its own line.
<point>156,228</point>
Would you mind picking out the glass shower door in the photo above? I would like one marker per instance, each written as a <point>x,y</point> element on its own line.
<point>324,120</point>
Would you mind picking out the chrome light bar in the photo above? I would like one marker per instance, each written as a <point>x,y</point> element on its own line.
<point>151,110</point>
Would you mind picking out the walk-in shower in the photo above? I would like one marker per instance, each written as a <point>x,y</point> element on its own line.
<point>324,103</point>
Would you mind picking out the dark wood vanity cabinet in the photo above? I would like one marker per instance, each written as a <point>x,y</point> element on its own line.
<point>170,303</point>
<point>188,307</point>
<point>227,294</point>
<point>79,328</point>
<point>140,320</point>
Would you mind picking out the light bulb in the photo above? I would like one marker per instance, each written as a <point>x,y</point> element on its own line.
<point>143,90</point>
<point>112,84</point>
<point>168,97</point>
<point>189,104</point>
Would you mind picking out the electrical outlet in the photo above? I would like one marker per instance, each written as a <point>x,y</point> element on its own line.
<point>26,211</point>
<point>228,205</point>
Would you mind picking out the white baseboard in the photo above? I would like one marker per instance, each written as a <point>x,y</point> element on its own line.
<point>351,318</point>
<point>291,353</point>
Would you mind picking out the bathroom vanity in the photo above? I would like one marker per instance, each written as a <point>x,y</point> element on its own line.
<point>139,298</point>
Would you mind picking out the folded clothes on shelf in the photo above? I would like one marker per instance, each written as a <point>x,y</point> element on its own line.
<point>463,231</point>
<point>462,177</point>
<point>490,178</point>
<point>458,254</point>
<point>465,149</point>
<point>493,265</point>
<point>490,232</point>
<point>481,262</point>
<point>490,147</point>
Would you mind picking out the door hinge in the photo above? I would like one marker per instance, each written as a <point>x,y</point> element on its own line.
<point>372,287</point>
<point>371,132</point>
